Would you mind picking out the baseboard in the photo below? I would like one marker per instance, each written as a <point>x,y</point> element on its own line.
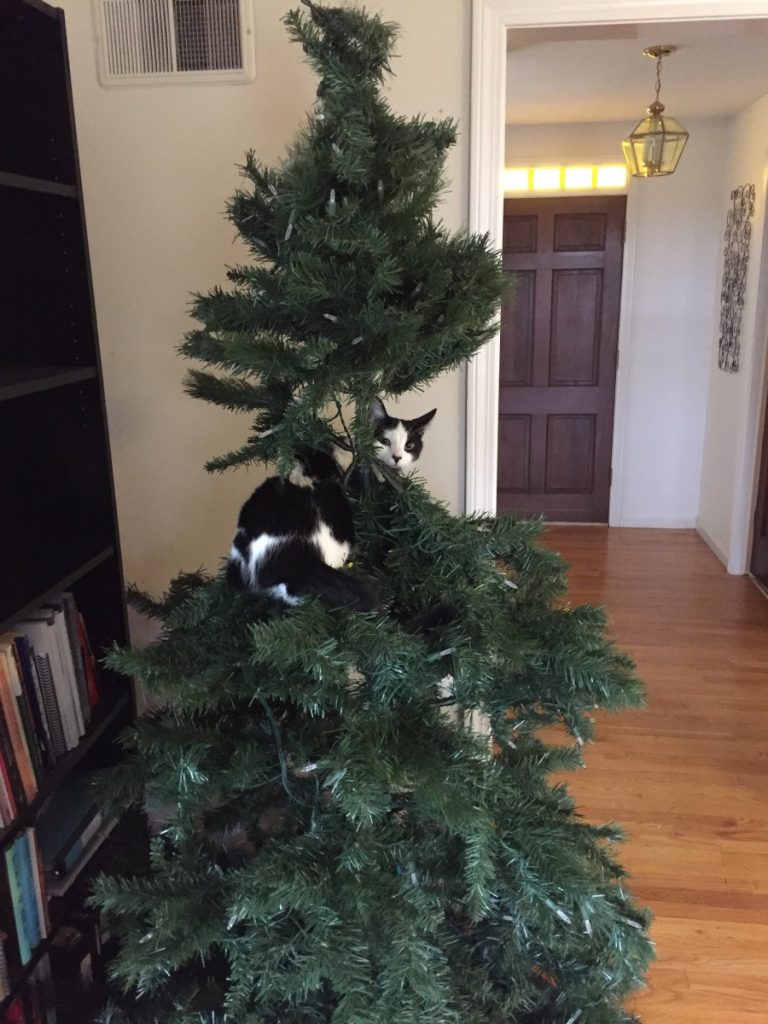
<point>658,522</point>
<point>711,543</point>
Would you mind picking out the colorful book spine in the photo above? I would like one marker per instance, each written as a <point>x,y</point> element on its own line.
<point>31,686</point>
<point>15,730</point>
<point>89,662</point>
<point>10,664</point>
<point>24,931</point>
<point>8,810</point>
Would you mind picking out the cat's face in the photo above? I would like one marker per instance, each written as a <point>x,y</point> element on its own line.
<point>398,442</point>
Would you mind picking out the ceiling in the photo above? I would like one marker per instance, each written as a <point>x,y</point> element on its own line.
<point>590,73</point>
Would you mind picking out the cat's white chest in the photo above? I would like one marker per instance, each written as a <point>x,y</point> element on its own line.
<point>333,552</point>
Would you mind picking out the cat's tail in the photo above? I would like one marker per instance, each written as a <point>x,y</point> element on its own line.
<point>337,586</point>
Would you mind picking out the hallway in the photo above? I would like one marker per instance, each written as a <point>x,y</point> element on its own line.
<point>688,778</point>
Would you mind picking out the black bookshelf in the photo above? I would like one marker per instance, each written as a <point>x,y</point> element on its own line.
<point>58,527</point>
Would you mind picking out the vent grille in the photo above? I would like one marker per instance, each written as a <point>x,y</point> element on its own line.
<point>165,40</point>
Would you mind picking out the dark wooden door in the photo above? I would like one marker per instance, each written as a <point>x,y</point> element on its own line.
<point>559,337</point>
<point>759,563</point>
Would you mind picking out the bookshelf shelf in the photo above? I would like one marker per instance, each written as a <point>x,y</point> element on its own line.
<point>24,181</point>
<point>61,584</point>
<point>18,381</point>
<point>24,593</point>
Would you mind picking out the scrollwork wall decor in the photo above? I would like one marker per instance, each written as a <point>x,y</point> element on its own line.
<point>738,232</point>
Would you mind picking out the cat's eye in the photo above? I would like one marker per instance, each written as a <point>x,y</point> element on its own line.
<point>385,441</point>
<point>409,446</point>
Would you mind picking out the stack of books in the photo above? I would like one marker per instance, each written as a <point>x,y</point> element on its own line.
<point>70,830</point>
<point>48,690</point>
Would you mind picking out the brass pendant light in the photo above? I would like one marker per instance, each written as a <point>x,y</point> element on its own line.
<point>655,144</point>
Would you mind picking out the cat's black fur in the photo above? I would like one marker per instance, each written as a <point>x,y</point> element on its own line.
<point>294,534</point>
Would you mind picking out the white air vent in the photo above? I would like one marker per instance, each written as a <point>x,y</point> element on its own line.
<point>141,41</point>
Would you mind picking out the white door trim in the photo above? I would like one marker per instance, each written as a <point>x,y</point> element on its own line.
<point>491,19</point>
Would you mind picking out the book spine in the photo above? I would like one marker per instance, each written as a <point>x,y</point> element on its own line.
<point>91,669</point>
<point>31,686</point>
<point>25,712</point>
<point>9,760</point>
<point>19,915</point>
<point>7,800</point>
<point>15,731</point>
<point>68,668</point>
<point>51,704</point>
<point>44,640</point>
<point>38,877</point>
<point>70,620</point>
<point>5,980</point>
<point>28,893</point>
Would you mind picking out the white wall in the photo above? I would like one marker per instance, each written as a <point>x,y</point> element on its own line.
<point>734,407</point>
<point>673,241</point>
<point>158,164</point>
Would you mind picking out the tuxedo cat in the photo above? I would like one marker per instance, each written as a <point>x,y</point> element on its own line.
<point>398,442</point>
<point>294,534</point>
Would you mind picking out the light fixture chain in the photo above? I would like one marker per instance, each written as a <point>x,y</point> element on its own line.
<point>658,77</point>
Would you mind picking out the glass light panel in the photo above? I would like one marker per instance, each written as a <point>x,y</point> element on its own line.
<point>579,177</point>
<point>612,176</point>
<point>516,179</point>
<point>546,179</point>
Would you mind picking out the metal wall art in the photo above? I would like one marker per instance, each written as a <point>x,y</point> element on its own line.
<point>738,232</point>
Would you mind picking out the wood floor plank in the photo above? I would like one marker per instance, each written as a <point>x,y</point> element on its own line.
<point>688,776</point>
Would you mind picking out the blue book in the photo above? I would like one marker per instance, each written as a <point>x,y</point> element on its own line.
<point>29,892</point>
<point>13,867</point>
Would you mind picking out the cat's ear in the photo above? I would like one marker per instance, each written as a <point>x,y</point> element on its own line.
<point>422,422</point>
<point>377,414</point>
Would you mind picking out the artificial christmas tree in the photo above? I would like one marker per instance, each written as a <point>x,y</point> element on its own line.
<point>340,847</point>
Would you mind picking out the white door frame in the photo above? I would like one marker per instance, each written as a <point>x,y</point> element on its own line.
<point>490,21</point>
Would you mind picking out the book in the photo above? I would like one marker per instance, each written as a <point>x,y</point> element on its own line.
<point>15,1013</point>
<point>5,978</point>
<point>26,876</point>
<point>91,671</point>
<point>15,730</point>
<point>8,810</point>
<point>31,684</point>
<point>42,666</point>
<point>9,763</point>
<point>38,880</point>
<point>24,928</point>
<point>64,818</point>
<point>69,609</point>
<point>11,949</point>
<point>66,656</point>
<point>11,666</point>
<point>41,631</point>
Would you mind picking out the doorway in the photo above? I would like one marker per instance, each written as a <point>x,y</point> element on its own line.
<point>492,19</point>
<point>559,343</point>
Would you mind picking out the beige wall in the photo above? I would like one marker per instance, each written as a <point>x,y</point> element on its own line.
<point>158,164</point>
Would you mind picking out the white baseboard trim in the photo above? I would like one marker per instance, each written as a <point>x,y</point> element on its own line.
<point>658,522</point>
<point>711,543</point>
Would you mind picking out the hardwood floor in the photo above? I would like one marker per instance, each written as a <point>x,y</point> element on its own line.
<point>688,777</point>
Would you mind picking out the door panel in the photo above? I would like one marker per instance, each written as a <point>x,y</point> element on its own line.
<point>559,334</point>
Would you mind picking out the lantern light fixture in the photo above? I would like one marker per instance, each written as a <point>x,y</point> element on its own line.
<point>655,144</point>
